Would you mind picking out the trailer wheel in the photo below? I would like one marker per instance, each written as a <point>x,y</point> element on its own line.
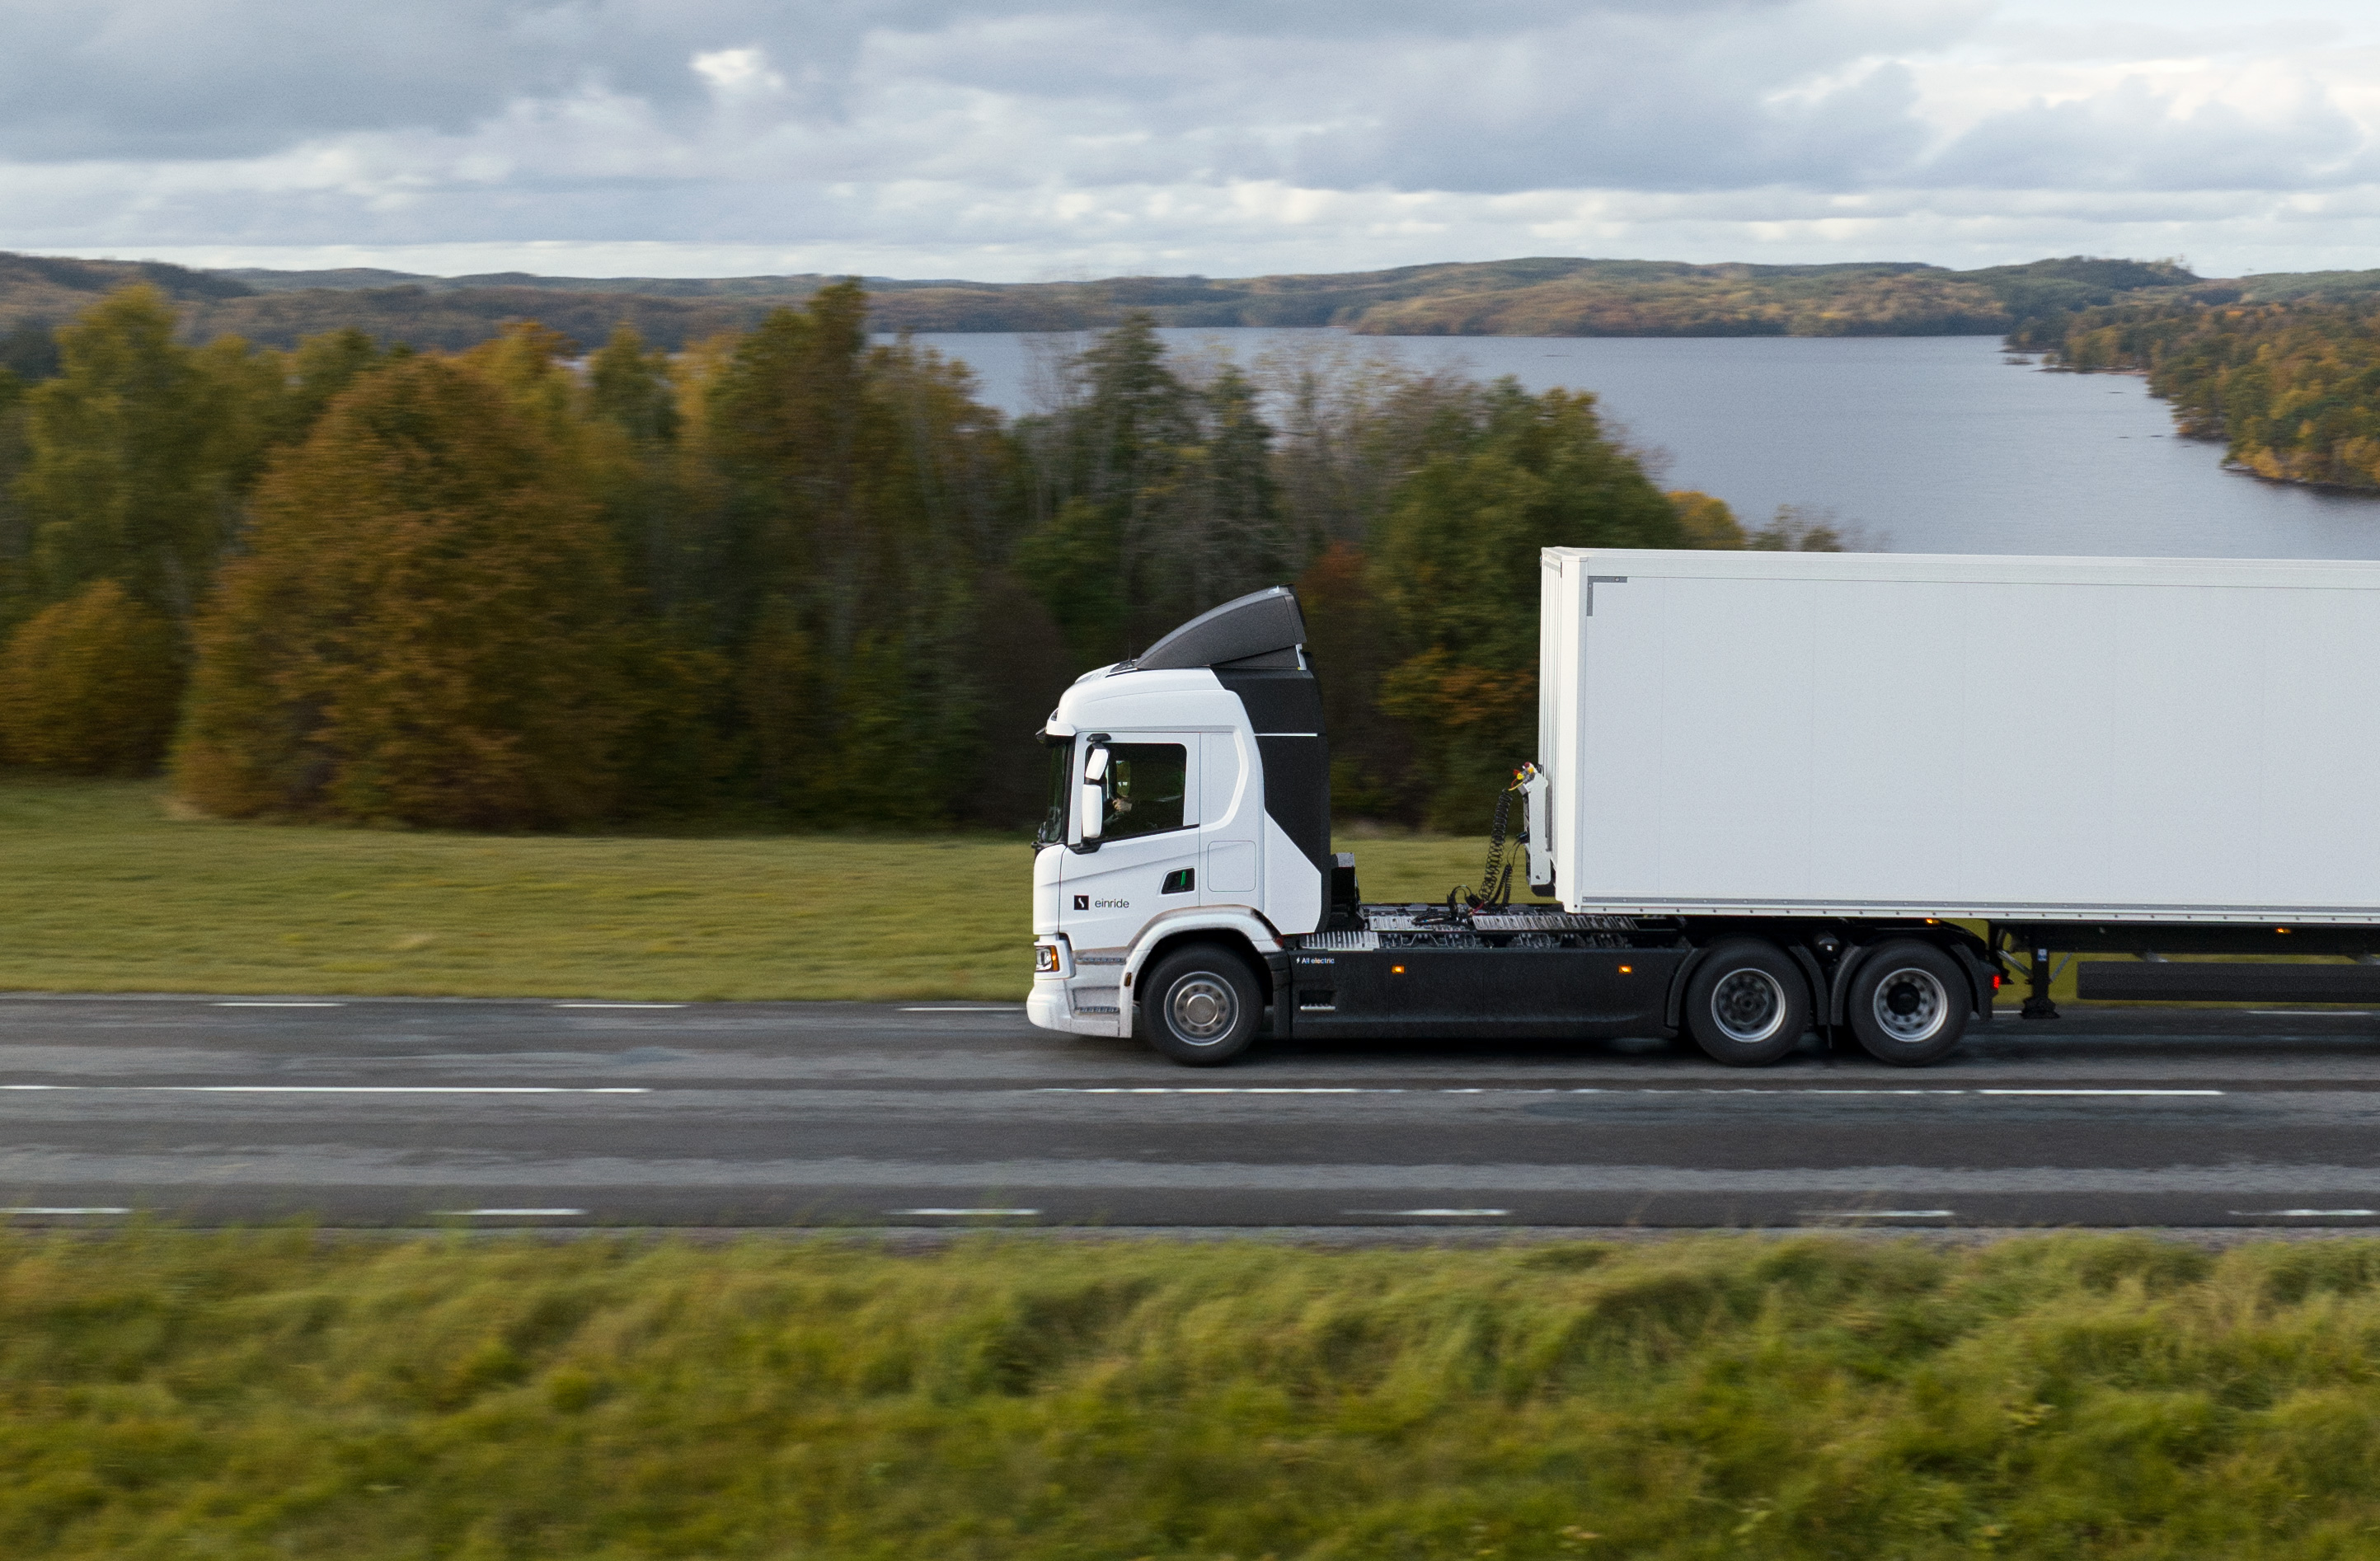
<point>1748,1004</point>
<point>1907,1004</point>
<point>1199,1006</point>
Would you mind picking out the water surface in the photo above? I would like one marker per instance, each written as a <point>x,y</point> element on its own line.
<point>1926,444</point>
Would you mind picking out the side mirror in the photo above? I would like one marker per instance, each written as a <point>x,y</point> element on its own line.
<point>1092,805</point>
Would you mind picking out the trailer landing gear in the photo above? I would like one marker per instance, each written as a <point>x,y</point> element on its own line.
<point>2037,1001</point>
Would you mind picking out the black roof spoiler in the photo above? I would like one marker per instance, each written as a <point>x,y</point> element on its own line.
<point>1263,624</point>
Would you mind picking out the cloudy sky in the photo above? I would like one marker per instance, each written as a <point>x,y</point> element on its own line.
<point>1022,140</point>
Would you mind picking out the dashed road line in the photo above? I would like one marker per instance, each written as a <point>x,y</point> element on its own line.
<point>252,1002</point>
<point>334,1089</point>
<point>2122,1092</point>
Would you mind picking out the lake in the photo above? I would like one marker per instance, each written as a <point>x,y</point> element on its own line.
<point>1923,443</point>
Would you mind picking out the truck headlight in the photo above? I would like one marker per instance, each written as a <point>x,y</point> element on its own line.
<point>1045,958</point>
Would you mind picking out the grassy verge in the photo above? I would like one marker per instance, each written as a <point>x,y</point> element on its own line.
<point>104,893</point>
<point>268,1395</point>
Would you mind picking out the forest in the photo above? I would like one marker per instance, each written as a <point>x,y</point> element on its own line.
<point>786,575</point>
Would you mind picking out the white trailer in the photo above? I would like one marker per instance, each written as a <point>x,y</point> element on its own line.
<point>1768,787</point>
<point>1849,735</point>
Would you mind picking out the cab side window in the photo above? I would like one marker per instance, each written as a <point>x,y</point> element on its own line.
<point>1143,788</point>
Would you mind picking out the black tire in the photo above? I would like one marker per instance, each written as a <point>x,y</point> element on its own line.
<point>1907,1004</point>
<point>1748,1004</point>
<point>1199,1005</point>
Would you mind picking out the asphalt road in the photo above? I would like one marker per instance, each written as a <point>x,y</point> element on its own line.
<point>367,1111</point>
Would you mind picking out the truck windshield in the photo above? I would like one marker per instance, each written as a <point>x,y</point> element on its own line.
<point>1062,776</point>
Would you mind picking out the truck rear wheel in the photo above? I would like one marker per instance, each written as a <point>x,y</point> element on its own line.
<point>1199,1005</point>
<point>1747,1004</point>
<point>1907,1004</point>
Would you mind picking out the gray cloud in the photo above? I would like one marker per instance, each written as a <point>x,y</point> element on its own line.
<point>1188,135</point>
<point>2134,138</point>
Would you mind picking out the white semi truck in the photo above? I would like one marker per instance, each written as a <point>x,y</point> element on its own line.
<point>1767,790</point>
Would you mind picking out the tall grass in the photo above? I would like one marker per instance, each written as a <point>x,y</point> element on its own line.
<point>172,1395</point>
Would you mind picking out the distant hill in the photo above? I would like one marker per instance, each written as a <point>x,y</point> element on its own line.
<point>46,288</point>
<point>1545,296</point>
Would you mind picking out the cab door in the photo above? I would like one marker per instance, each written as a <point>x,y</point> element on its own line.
<point>1144,859</point>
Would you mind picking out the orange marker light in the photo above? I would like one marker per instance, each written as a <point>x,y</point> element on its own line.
<point>1627,970</point>
<point>1396,970</point>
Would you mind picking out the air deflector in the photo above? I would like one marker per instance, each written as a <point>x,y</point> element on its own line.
<point>1261,624</point>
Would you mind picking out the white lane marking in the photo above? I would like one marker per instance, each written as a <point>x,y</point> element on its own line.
<point>2310,1012</point>
<point>1216,1089</point>
<point>958,1212</point>
<point>523,1214</point>
<point>258,1003</point>
<point>339,1089</point>
<point>1433,1213</point>
<point>2149,1091</point>
<point>620,1005</point>
<point>1875,1214</point>
<point>994,1008</point>
<point>2306,1214</point>
<point>1358,1089</point>
<point>30,1210</point>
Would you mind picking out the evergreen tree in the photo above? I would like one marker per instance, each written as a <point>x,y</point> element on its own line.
<point>838,564</point>
<point>1156,497</point>
<point>125,476</point>
<point>1456,570</point>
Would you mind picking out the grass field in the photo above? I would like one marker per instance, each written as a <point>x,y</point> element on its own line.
<point>104,891</point>
<point>271,1396</point>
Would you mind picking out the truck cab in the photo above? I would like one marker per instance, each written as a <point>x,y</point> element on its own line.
<point>1189,806</point>
<point>1184,888</point>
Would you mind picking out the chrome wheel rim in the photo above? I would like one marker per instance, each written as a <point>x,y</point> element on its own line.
<point>1202,1009</point>
<point>1910,1005</point>
<point>1748,1005</point>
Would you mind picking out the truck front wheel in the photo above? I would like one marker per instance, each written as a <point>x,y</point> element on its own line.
<point>1747,1004</point>
<point>1907,1004</point>
<point>1199,1005</point>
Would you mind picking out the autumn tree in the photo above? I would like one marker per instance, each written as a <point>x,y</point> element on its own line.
<point>1705,520</point>
<point>424,628</point>
<point>18,596</point>
<point>90,685</point>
